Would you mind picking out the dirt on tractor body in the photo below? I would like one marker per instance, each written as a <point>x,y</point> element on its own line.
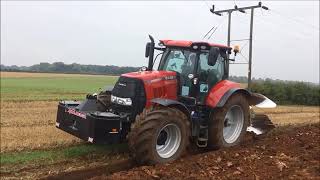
<point>291,152</point>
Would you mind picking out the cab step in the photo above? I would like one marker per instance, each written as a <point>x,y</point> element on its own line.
<point>202,139</point>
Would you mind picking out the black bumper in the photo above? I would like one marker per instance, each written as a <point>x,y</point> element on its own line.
<point>95,127</point>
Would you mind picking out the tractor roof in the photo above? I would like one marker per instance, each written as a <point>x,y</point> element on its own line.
<point>182,43</point>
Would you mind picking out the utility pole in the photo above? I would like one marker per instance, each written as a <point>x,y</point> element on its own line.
<point>229,40</point>
<point>250,49</point>
<point>241,9</point>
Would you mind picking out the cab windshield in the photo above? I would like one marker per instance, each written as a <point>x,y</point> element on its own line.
<point>178,60</point>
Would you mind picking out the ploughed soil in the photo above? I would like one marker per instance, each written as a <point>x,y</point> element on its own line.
<point>287,152</point>
<point>291,152</point>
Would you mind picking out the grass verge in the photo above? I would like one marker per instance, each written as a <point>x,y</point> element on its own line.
<point>52,88</point>
<point>26,157</point>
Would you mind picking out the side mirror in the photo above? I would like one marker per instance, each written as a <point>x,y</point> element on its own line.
<point>213,56</point>
<point>147,53</point>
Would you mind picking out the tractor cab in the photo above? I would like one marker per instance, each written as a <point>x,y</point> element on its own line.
<point>199,66</point>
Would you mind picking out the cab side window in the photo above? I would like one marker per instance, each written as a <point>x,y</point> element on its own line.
<point>209,75</point>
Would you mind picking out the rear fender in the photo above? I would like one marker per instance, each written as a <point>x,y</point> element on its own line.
<point>254,99</point>
<point>172,103</point>
<point>219,93</point>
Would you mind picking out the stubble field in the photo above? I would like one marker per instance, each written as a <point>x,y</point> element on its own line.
<point>29,104</point>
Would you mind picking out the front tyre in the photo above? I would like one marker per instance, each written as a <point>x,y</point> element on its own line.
<point>228,124</point>
<point>159,135</point>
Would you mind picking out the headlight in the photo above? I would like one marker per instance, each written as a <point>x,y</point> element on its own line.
<point>122,101</point>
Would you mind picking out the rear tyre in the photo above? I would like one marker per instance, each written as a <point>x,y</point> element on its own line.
<point>159,135</point>
<point>228,125</point>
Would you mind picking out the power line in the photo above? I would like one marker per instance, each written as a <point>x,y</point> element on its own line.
<point>245,58</point>
<point>207,4</point>
<point>208,32</point>
<point>294,19</point>
<point>222,21</point>
<point>243,46</point>
<point>239,40</point>
<point>263,20</point>
<point>212,33</point>
<point>213,29</point>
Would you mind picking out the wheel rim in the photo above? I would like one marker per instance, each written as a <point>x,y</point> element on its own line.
<point>233,124</point>
<point>168,140</point>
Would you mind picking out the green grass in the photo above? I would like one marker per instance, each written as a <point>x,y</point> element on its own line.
<point>58,154</point>
<point>51,88</point>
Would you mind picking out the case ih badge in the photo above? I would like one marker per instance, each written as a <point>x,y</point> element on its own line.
<point>76,113</point>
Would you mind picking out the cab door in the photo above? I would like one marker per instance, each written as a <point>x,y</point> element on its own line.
<point>208,76</point>
<point>183,62</point>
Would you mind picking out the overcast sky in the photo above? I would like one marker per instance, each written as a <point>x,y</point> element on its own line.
<point>285,46</point>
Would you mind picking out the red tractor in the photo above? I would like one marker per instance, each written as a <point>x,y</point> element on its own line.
<point>161,112</point>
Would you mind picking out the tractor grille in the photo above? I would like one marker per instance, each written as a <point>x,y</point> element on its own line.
<point>130,88</point>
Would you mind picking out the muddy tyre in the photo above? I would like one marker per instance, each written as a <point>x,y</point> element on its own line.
<point>228,125</point>
<point>159,135</point>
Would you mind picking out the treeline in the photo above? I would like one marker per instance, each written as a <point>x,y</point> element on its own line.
<point>60,67</point>
<point>286,92</point>
<point>282,92</point>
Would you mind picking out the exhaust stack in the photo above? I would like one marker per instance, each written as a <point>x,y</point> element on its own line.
<point>150,52</point>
